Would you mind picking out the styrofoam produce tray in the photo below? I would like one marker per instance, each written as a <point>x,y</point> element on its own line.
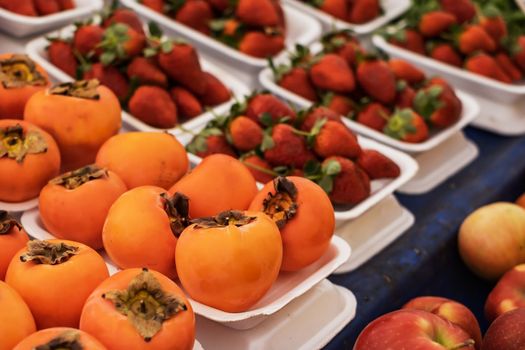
<point>20,206</point>
<point>20,26</point>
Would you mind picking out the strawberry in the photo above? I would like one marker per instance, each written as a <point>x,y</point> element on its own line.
<point>410,40</point>
<point>261,45</point>
<point>46,7</point>
<point>374,115</point>
<point>119,42</point>
<point>362,11</point>
<point>153,106</point>
<point>257,13</point>
<point>436,22</point>
<point>61,55</point>
<point>377,80</point>
<point>406,71</point>
<point>519,53</point>
<point>314,114</point>
<point>447,54</point>
<point>487,66</point>
<point>195,14</point>
<point>147,72</point>
<point>215,93</point>
<point>464,10</point>
<point>475,38</point>
<point>332,73</point>
<point>188,106</point>
<point>440,82</point>
<point>336,8</point>
<point>505,62</point>
<point>246,134</point>
<point>334,139</point>
<point>155,5</point>
<point>438,105</point>
<point>262,105</point>
<point>125,16</point>
<point>408,126</point>
<point>350,52</point>
<point>286,147</point>
<point>339,104</point>
<point>259,168</point>
<point>21,7</point>
<point>210,141</point>
<point>181,63</point>
<point>405,97</point>
<point>345,45</point>
<point>111,77</point>
<point>66,4</point>
<point>350,184</point>
<point>87,38</point>
<point>377,165</point>
<point>495,27</point>
<point>298,82</point>
<point>219,5</point>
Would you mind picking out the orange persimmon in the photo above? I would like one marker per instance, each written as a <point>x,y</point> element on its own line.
<point>16,321</point>
<point>60,338</point>
<point>12,239</point>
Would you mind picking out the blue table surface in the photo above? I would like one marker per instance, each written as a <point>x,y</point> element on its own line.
<point>425,260</point>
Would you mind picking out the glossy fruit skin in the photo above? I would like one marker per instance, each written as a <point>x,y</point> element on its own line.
<point>11,243</point>
<point>507,295</point>
<point>506,332</point>
<point>23,181</point>
<point>243,262</point>
<point>144,158</point>
<point>79,126</point>
<point>46,335</point>
<point>307,236</point>
<point>111,328</point>
<point>16,321</point>
<point>56,293</point>
<point>218,183</point>
<point>79,214</point>
<point>137,232</point>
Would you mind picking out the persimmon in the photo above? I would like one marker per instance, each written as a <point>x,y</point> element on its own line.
<point>229,261</point>
<point>60,338</point>
<point>139,310</point>
<point>55,277</point>
<point>16,321</point>
<point>20,78</point>
<point>142,227</point>
<point>74,205</point>
<point>80,116</point>
<point>29,158</point>
<point>304,214</point>
<point>218,183</point>
<point>145,158</point>
<point>12,239</point>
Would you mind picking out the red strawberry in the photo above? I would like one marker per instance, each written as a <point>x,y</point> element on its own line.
<point>440,82</point>
<point>405,97</point>
<point>408,126</point>
<point>147,72</point>
<point>332,73</point>
<point>125,16</point>
<point>153,106</point>
<point>187,104</point>
<point>195,14</point>
<point>335,139</point>
<point>475,38</point>
<point>495,27</point>
<point>66,4</point>
<point>377,165</point>
<point>374,115</point>
<point>508,66</point>
<point>259,168</point>
<point>377,80</point>
<point>219,5</point>
<point>340,104</point>
<point>436,22</point>
<point>262,104</point>
<point>464,10</point>
<point>298,81</point>
<point>87,38</point>
<point>487,66</point>
<point>246,134</point>
<point>519,54</point>
<point>121,41</point>
<point>362,11</point>
<point>258,13</point>
<point>61,55</point>
<point>215,93</point>
<point>155,5</point>
<point>406,71</point>
<point>351,184</point>
<point>46,7</point>
<point>21,7</point>
<point>447,54</point>
<point>317,113</point>
<point>410,40</point>
<point>287,148</point>
<point>439,105</point>
<point>211,144</point>
<point>182,65</point>
<point>111,77</point>
<point>350,51</point>
<point>343,44</point>
<point>336,8</point>
<point>261,45</point>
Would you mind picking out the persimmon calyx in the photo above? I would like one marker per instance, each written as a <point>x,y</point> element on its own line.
<point>44,252</point>
<point>281,206</point>
<point>7,222</point>
<point>145,304</point>
<point>14,144</point>
<point>69,340</point>
<point>226,218</point>
<point>86,89</point>
<point>178,210</point>
<point>19,71</point>
<point>77,178</point>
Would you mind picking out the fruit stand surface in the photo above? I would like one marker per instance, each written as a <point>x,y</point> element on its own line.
<point>425,260</point>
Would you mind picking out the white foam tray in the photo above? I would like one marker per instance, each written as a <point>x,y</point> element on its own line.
<point>19,207</point>
<point>20,26</point>
<point>501,104</point>
<point>392,9</point>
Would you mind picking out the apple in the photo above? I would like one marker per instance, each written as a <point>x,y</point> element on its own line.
<point>450,310</point>
<point>413,329</point>
<point>491,239</point>
<point>508,294</point>
<point>521,201</point>
<point>507,332</point>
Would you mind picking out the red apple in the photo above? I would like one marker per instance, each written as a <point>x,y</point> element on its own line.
<point>491,239</point>
<point>413,329</point>
<point>507,332</point>
<point>521,201</point>
<point>508,294</point>
<point>450,310</point>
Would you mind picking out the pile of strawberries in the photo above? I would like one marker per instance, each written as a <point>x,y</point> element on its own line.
<point>353,11</point>
<point>254,27</point>
<point>271,139</point>
<point>158,81</point>
<point>392,97</point>
<point>486,37</point>
<point>35,8</point>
